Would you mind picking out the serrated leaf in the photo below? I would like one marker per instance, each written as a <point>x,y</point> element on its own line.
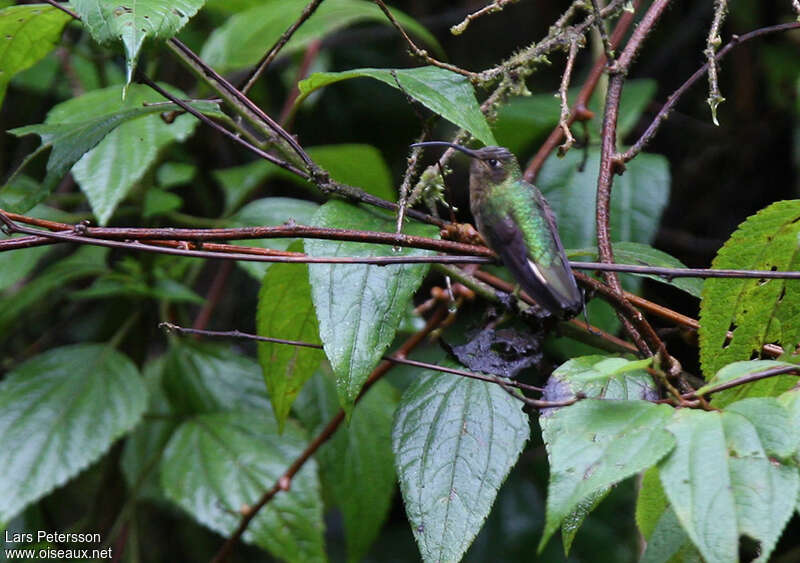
<point>443,92</point>
<point>201,377</point>
<point>84,262</point>
<point>455,441</point>
<point>75,127</point>
<point>245,37</point>
<point>285,311</point>
<point>599,377</point>
<point>356,464</point>
<point>131,24</point>
<point>639,254</point>
<point>217,463</point>
<point>594,444</point>
<point>27,34</point>
<point>359,306</point>
<point>756,311</point>
<point>769,387</point>
<point>62,410</point>
<point>697,480</point>
<point>269,212</point>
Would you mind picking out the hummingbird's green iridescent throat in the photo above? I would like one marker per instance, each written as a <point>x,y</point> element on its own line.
<point>516,222</point>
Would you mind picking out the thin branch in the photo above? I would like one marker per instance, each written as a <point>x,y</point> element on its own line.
<point>563,120</point>
<point>397,360</point>
<point>267,59</point>
<point>608,167</point>
<point>663,113</point>
<point>284,482</point>
<point>63,8</point>
<point>495,6</point>
<point>712,43</point>
<point>600,26</point>
<point>580,112</point>
<point>749,378</point>
<point>422,53</point>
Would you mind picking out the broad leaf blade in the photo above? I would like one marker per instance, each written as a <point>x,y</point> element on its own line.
<point>443,92</point>
<point>697,480</point>
<point>203,377</point>
<point>455,441</point>
<point>285,311</point>
<point>756,311</point>
<point>217,463</point>
<point>244,38</point>
<point>359,306</point>
<point>594,444</point>
<point>356,464</point>
<point>62,410</point>
<point>29,32</point>
<point>131,24</point>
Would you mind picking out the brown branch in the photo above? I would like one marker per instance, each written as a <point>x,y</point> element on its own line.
<point>283,483</point>
<point>270,55</point>
<point>404,361</point>
<point>609,167</point>
<point>495,6</point>
<point>422,53</point>
<point>663,113</point>
<point>749,378</point>
<point>580,112</point>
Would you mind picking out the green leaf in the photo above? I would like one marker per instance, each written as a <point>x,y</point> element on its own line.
<point>84,262</point>
<point>285,311</point>
<point>28,33</point>
<point>769,387</point>
<point>455,441</point>
<point>217,463</point>
<point>356,165</point>
<point>637,201</point>
<point>131,24</point>
<point>697,480</point>
<point>636,96</point>
<point>17,264</point>
<point>76,126</point>
<point>159,202</point>
<point>600,377</point>
<point>201,377</point>
<point>171,174</point>
<point>359,306</point>
<point>109,171</point>
<point>644,255</point>
<point>756,311</point>
<point>650,503</point>
<point>244,38</point>
<point>758,431</point>
<point>356,464</point>
<point>62,410</point>
<point>269,212</point>
<point>668,543</point>
<point>594,444</point>
<point>443,92</point>
<point>145,445</point>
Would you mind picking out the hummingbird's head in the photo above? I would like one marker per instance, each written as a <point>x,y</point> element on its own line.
<point>490,165</point>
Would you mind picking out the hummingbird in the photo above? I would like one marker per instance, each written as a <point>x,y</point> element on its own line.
<point>516,222</point>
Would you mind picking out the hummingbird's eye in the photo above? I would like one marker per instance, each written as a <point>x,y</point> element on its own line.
<point>493,163</point>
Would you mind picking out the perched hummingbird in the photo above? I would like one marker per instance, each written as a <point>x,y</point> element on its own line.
<point>516,222</point>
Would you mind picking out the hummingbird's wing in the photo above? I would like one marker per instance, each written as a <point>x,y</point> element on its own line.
<point>539,265</point>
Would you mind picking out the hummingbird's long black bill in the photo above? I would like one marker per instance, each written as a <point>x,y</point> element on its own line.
<point>463,149</point>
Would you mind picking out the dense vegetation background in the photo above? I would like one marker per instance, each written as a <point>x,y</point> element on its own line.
<point>687,204</point>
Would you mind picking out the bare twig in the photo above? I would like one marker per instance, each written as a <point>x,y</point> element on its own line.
<point>663,113</point>
<point>495,6</point>
<point>749,378</point>
<point>563,121</point>
<point>712,43</point>
<point>422,53</point>
<point>600,26</point>
<point>270,55</point>
<point>397,360</point>
<point>580,112</point>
